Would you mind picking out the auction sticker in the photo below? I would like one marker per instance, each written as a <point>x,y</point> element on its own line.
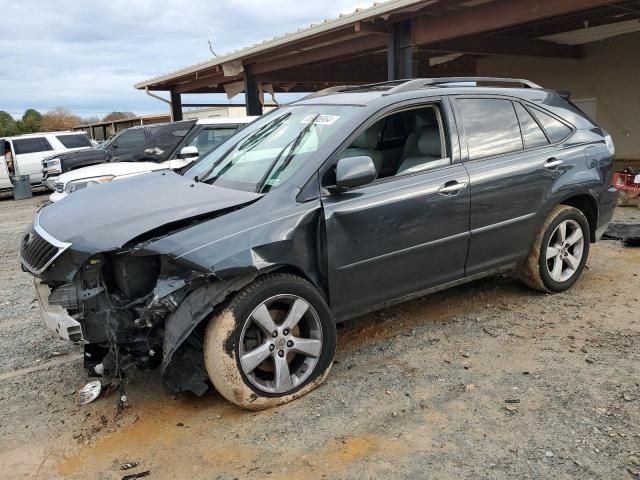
<point>321,120</point>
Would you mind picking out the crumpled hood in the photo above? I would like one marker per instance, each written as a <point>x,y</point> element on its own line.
<point>105,217</point>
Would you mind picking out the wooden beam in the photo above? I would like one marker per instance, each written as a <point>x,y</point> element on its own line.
<point>202,81</point>
<point>500,45</point>
<point>370,28</point>
<point>358,45</point>
<point>492,16</point>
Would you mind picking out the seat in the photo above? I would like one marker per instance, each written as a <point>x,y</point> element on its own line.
<point>429,148</point>
<point>366,144</point>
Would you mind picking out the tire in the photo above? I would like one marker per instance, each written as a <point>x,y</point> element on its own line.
<point>542,273</point>
<point>623,198</point>
<point>241,331</point>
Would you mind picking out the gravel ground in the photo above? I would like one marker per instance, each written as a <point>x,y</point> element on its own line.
<point>487,380</point>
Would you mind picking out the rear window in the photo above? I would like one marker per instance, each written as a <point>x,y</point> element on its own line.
<point>531,132</point>
<point>556,130</point>
<point>491,126</point>
<point>74,141</point>
<point>31,145</point>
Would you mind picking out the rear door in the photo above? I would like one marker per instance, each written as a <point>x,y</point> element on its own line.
<point>512,165</point>
<point>29,152</point>
<point>398,235</point>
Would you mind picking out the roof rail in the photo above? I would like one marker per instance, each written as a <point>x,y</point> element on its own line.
<point>348,88</point>
<point>418,83</point>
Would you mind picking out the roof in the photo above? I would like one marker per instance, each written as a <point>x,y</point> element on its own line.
<point>40,134</point>
<point>360,14</point>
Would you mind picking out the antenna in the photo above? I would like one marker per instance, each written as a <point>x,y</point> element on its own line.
<point>210,45</point>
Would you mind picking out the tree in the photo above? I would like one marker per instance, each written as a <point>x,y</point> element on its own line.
<point>31,121</point>
<point>59,118</point>
<point>113,116</point>
<point>8,125</point>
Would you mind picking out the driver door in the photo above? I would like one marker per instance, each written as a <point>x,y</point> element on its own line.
<point>399,235</point>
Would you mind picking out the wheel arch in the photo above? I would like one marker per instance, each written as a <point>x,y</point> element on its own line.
<point>182,327</point>
<point>587,204</point>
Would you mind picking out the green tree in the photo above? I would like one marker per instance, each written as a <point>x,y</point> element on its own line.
<point>31,121</point>
<point>7,124</point>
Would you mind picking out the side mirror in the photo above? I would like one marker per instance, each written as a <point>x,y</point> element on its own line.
<point>189,152</point>
<point>352,172</point>
<point>150,151</point>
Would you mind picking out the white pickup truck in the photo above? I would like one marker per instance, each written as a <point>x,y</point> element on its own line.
<point>23,154</point>
<point>205,135</point>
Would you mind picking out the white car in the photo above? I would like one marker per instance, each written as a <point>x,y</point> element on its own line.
<point>205,135</point>
<point>28,151</point>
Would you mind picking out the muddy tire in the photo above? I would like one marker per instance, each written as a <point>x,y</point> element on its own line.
<point>274,342</point>
<point>559,253</point>
<point>623,198</point>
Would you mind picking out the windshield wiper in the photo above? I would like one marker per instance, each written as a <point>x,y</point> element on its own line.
<point>248,143</point>
<point>295,143</point>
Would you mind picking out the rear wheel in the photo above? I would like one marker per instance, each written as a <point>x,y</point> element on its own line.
<point>559,253</point>
<point>273,343</point>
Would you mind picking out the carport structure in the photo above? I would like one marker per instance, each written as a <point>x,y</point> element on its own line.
<point>562,44</point>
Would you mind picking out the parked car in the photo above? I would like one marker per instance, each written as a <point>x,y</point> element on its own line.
<point>342,203</point>
<point>27,152</point>
<point>181,147</point>
<point>155,143</point>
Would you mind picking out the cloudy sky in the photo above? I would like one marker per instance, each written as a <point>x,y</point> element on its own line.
<point>86,55</point>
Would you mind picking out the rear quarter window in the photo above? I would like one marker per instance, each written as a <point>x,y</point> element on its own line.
<point>31,145</point>
<point>556,130</point>
<point>74,141</point>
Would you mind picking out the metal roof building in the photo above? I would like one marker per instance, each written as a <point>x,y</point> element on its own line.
<point>559,44</point>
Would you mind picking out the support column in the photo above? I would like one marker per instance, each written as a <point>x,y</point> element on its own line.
<point>400,52</point>
<point>251,93</point>
<point>176,106</point>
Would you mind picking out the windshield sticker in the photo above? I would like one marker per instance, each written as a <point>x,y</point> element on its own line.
<point>321,120</point>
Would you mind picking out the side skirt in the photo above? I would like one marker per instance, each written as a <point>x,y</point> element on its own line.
<point>427,291</point>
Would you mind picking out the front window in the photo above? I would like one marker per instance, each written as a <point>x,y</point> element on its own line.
<point>272,148</point>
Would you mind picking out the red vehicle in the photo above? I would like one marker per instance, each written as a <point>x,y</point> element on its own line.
<point>628,184</point>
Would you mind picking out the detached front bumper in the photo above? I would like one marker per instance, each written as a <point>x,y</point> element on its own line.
<point>55,317</point>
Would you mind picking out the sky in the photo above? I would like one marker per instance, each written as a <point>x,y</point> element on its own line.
<point>87,55</point>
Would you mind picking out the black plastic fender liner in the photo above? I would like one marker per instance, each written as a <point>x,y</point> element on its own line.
<point>180,371</point>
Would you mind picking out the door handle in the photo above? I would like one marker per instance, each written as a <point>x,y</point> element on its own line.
<point>451,188</point>
<point>552,163</point>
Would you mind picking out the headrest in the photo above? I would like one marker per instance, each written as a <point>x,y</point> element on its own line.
<point>429,142</point>
<point>425,117</point>
<point>369,138</point>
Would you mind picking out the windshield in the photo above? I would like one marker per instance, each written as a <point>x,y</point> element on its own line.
<point>263,157</point>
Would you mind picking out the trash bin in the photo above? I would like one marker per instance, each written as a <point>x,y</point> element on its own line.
<point>21,187</point>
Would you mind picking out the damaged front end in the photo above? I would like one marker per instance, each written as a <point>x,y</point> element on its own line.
<point>117,305</point>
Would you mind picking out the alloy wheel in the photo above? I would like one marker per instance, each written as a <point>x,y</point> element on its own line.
<point>280,344</point>
<point>564,250</point>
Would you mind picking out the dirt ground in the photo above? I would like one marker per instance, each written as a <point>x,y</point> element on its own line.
<point>487,380</point>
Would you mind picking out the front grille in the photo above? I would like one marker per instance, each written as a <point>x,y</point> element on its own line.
<point>36,253</point>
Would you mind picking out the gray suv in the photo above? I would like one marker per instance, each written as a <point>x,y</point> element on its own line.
<point>350,200</point>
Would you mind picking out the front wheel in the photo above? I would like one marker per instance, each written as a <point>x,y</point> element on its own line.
<point>273,343</point>
<point>559,253</point>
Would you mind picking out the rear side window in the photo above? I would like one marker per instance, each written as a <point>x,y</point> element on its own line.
<point>556,130</point>
<point>74,141</point>
<point>491,126</point>
<point>532,134</point>
<point>132,138</point>
<point>31,145</point>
